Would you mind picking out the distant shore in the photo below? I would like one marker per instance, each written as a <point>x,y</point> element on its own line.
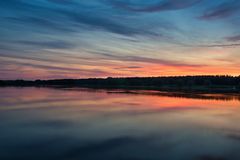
<point>203,84</point>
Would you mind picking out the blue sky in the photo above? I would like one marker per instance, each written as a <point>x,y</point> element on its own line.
<point>99,38</point>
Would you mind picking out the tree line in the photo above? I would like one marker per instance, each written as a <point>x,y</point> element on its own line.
<point>151,82</point>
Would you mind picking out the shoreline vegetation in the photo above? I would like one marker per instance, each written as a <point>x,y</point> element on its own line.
<point>203,84</point>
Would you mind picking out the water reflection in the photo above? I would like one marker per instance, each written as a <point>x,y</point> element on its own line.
<point>63,124</point>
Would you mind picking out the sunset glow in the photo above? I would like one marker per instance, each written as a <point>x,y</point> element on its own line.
<point>48,39</point>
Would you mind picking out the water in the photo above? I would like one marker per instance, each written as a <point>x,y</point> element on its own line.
<point>83,124</point>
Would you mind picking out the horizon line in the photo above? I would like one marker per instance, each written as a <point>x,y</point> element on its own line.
<point>234,76</point>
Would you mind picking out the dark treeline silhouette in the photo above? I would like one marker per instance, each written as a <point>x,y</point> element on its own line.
<point>190,83</point>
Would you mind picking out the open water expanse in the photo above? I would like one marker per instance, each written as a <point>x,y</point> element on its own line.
<point>87,124</point>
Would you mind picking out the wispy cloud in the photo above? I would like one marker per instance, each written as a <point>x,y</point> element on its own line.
<point>217,45</point>
<point>57,44</point>
<point>76,19</point>
<point>64,2</point>
<point>43,22</point>
<point>233,38</point>
<point>146,60</point>
<point>49,68</point>
<point>140,37</point>
<point>222,11</point>
<point>97,22</point>
<point>164,5</point>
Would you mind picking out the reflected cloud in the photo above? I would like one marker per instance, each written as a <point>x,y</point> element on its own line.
<point>234,137</point>
<point>92,151</point>
<point>90,124</point>
<point>209,157</point>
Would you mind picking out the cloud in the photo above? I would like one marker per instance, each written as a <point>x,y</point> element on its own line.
<point>129,68</point>
<point>233,38</point>
<point>24,66</point>
<point>97,22</point>
<point>64,2</point>
<point>222,11</point>
<point>217,45</point>
<point>78,27</point>
<point>42,23</point>
<point>57,44</point>
<point>146,60</point>
<point>15,4</point>
<point>164,5</point>
<point>108,21</point>
<point>133,67</point>
<point>52,17</point>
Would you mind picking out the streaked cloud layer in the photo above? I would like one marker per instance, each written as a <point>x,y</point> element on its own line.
<point>99,38</point>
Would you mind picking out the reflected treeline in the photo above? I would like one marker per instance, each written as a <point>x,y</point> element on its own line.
<point>206,84</point>
<point>193,95</point>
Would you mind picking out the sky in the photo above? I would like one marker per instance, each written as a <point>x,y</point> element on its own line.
<point>50,39</point>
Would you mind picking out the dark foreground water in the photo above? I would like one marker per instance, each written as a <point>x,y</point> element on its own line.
<point>80,124</point>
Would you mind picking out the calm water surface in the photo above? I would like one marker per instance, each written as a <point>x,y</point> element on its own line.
<point>81,124</point>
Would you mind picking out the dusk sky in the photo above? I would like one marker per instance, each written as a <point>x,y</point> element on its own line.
<point>48,39</point>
